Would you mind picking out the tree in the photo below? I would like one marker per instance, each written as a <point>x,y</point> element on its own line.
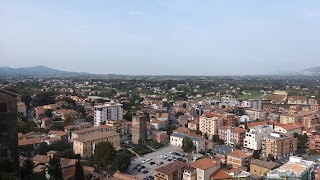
<point>270,158</point>
<point>123,161</point>
<point>256,154</point>
<point>48,113</point>
<point>215,138</point>
<point>221,141</point>
<point>89,119</point>
<point>7,170</point>
<point>238,146</point>
<point>187,145</point>
<point>27,169</point>
<point>205,135</point>
<point>54,169</point>
<point>104,154</point>
<point>246,126</point>
<point>43,148</point>
<point>179,114</point>
<point>79,171</point>
<point>26,98</point>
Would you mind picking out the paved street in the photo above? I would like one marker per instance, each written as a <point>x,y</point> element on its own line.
<point>154,156</point>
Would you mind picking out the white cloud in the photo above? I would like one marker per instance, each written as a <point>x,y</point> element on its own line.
<point>136,13</point>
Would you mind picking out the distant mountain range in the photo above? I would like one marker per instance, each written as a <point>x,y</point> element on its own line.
<point>36,71</point>
<point>313,71</point>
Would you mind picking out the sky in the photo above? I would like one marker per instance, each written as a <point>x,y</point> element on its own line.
<point>161,37</point>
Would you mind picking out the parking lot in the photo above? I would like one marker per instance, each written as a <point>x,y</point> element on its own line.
<point>154,157</point>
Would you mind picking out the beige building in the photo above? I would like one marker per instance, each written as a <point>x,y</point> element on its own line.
<point>289,129</point>
<point>238,158</point>
<point>255,114</point>
<point>279,145</point>
<point>193,125</point>
<point>205,168</point>
<point>259,167</point>
<point>293,118</point>
<point>172,171</point>
<point>87,131</point>
<point>160,137</point>
<point>85,146</point>
<point>139,129</point>
<point>209,123</point>
<point>189,173</point>
<point>119,126</point>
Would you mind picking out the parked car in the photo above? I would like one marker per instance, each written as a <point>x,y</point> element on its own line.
<point>152,163</point>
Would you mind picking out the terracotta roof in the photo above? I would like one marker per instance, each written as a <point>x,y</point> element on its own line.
<point>257,123</point>
<point>290,126</point>
<point>40,110</point>
<point>45,119</point>
<point>234,129</point>
<point>238,154</point>
<point>31,141</point>
<point>203,164</point>
<point>81,131</point>
<point>96,136</point>
<point>69,173</point>
<point>219,174</point>
<point>121,176</point>
<point>58,133</point>
<point>172,167</point>
<point>42,159</point>
<point>69,127</point>
<point>194,122</point>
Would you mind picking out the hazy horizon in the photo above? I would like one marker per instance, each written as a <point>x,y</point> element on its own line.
<point>161,37</point>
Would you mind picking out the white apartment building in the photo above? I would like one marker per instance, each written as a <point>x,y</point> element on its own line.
<point>255,114</point>
<point>210,123</point>
<point>176,140</point>
<point>108,111</point>
<point>253,139</point>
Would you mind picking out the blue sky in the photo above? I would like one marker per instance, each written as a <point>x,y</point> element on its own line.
<point>161,37</point>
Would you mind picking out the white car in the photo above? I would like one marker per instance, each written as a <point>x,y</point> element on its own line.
<point>143,161</point>
<point>160,157</point>
<point>171,152</point>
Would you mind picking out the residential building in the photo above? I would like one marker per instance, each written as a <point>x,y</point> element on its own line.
<point>238,158</point>
<point>85,146</point>
<point>293,118</point>
<point>8,127</point>
<point>171,171</point>
<point>229,119</point>
<point>176,140</point>
<point>65,113</point>
<point>205,168</point>
<point>209,124</point>
<point>302,100</point>
<point>40,112</point>
<point>314,142</point>
<point>254,137</point>
<point>50,107</point>
<point>279,145</point>
<point>46,123</point>
<point>259,167</point>
<point>22,109</point>
<point>158,124</point>
<point>183,120</point>
<point>312,122</point>
<point>313,102</point>
<point>139,129</point>
<point>296,168</point>
<point>119,126</point>
<point>289,129</point>
<point>255,104</point>
<point>245,119</point>
<point>108,111</point>
<point>221,152</point>
<point>189,173</point>
<point>87,131</point>
<point>193,125</point>
<point>221,175</point>
<point>255,114</point>
<point>232,136</point>
<point>160,137</point>
<point>271,109</point>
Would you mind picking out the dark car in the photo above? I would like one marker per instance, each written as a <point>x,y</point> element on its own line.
<point>161,163</point>
<point>152,163</point>
<point>169,159</point>
<point>142,167</point>
<point>135,168</point>
<point>145,172</point>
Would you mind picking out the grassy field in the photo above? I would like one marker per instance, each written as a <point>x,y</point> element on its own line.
<point>254,95</point>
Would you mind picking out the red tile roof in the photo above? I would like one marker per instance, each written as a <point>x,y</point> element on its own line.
<point>203,164</point>
<point>219,174</point>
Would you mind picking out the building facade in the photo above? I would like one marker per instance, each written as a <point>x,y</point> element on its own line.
<point>172,171</point>
<point>279,145</point>
<point>259,167</point>
<point>8,127</point>
<point>108,111</point>
<point>254,138</point>
<point>139,129</point>
<point>176,140</point>
<point>85,146</point>
<point>232,136</point>
<point>210,123</point>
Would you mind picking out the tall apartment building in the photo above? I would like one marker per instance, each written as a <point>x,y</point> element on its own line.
<point>139,129</point>
<point>108,111</point>
<point>229,119</point>
<point>85,146</point>
<point>312,122</point>
<point>279,145</point>
<point>255,114</point>
<point>314,142</point>
<point>232,136</point>
<point>8,127</point>
<point>253,139</point>
<point>210,123</point>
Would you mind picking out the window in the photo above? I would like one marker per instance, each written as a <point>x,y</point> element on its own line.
<point>3,107</point>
